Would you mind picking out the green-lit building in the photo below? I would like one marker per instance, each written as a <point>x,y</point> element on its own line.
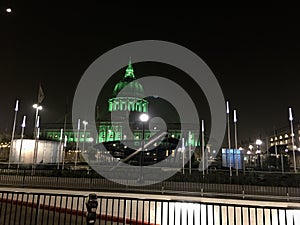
<point>131,101</point>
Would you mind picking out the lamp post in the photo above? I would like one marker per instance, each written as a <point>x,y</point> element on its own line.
<point>249,152</point>
<point>85,123</point>
<point>22,136</point>
<point>203,147</point>
<point>293,142</point>
<point>235,141</point>
<point>64,152</point>
<point>258,142</point>
<point>77,143</point>
<point>37,109</point>
<point>35,151</point>
<point>59,148</point>
<point>13,132</point>
<point>143,118</point>
<point>228,136</point>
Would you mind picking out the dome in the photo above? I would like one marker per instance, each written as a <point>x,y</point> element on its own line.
<point>134,88</point>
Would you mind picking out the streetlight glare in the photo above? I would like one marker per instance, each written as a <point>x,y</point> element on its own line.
<point>258,142</point>
<point>8,10</point>
<point>36,106</point>
<point>144,117</point>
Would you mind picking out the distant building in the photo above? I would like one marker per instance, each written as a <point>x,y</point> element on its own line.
<point>131,101</point>
<point>283,137</point>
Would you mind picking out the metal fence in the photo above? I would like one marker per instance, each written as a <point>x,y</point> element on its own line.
<point>23,208</point>
<point>193,188</point>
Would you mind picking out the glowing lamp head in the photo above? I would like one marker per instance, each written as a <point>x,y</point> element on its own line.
<point>144,117</point>
<point>290,114</point>
<point>38,107</point>
<point>258,142</point>
<point>8,10</point>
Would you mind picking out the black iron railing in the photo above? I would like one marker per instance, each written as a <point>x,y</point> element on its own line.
<point>24,208</point>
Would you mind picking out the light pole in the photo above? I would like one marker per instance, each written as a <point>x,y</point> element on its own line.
<point>249,152</point>
<point>293,142</point>
<point>143,118</point>
<point>37,109</point>
<point>228,136</point>
<point>22,136</point>
<point>77,143</point>
<point>35,151</point>
<point>85,123</point>
<point>59,148</point>
<point>235,140</point>
<point>258,142</point>
<point>13,132</point>
<point>64,152</point>
<point>203,147</point>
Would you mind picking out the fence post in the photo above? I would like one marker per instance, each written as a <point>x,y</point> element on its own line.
<point>37,210</point>
<point>23,181</point>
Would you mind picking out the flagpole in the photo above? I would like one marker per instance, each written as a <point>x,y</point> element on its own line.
<point>228,136</point>
<point>37,126</point>
<point>77,143</point>
<point>235,140</point>
<point>59,148</point>
<point>21,144</point>
<point>13,133</point>
<point>64,152</point>
<point>293,143</point>
<point>202,145</point>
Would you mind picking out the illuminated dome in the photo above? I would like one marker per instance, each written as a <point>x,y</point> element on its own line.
<point>134,89</point>
<point>131,98</point>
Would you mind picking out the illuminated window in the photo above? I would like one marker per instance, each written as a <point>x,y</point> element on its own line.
<point>286,141</point>
<point>275,138</point>
<point>281,142</point>
<point>286,135</point>
<point>271,139</point>
<point>280,137</point>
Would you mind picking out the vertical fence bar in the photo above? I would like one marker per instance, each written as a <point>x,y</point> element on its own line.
<point>54,210</point>
<point>71,209</point>
<point>37,209</point>
<point>11,207</point>
<point>20,215</point>
<point>16,210</point>
<point>66,207</point>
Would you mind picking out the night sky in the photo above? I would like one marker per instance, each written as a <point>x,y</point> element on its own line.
<point>254,53</point>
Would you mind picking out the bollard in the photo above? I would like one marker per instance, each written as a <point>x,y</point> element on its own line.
<point>91,205</point>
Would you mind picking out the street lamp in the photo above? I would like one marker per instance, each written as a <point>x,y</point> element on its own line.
<point>228,136</point>
<point>13,132</point>
<point>59,152</point>
<point>37,109</point>
<point>293,142</point>
<point>85,123</point>
<point>77,143</point>
<point>22,136</point>
<point>143,118</point>
<point>258,142</point>
<point>235,140</point>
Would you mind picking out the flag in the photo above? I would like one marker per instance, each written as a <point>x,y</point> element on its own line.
<point>41,95</point>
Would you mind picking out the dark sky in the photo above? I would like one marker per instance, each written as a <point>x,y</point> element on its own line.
<point>254,53</point>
